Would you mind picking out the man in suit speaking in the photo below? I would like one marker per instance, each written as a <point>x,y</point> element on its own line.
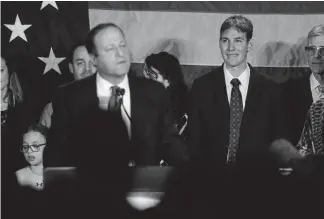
<point>240,113</point>
<point>111,120</point>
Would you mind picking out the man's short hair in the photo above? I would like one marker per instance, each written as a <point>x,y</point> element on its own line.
<point>316,31</point>
<point>240,23</point>
<point>90,45</point>
<point>71,53</point>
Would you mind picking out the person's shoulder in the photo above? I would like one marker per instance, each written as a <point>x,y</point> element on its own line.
<point>208,79</point>
<point>22,173</point>
<point>147,84</point>
<point>77,84</point>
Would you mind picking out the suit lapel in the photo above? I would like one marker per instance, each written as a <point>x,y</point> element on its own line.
<point>89,92</point>
<point>136,107</point>
<point>252,99</point>
<point>220,94</point>
<point>306,93</point>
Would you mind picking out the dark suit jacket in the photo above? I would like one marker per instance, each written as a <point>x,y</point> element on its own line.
<point>77,136</point>
<point>208,127</point>
<point>298,99</point>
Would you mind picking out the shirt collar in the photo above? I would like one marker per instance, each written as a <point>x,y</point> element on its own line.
<point>313,82</point>
<point>244,77</point>
<point>104,86</point>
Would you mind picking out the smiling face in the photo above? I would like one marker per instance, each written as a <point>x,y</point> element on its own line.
<point>112,57</point>
<point>234,47</point>
<point>315,60</point>
<point>34,158</point>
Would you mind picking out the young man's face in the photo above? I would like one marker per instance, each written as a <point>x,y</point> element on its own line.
<point>234,47</point>
<point>314,56</point>
<point>81,65</point>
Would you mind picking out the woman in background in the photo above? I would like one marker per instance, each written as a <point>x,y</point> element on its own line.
<point>15,118</point>
<point>165,69</point>
<point>34,142</point>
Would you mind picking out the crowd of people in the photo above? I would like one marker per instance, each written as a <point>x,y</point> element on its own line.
<point>241,145</point>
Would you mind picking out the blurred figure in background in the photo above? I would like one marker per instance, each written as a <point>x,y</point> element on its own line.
<point>81,66</point>
<point>14,118</point>
<point>302,92</point>
<point>166,69</point>
<point>34,142</point>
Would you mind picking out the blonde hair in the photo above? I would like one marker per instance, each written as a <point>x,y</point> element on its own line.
<point>316,31</point>
<point>16,90</point>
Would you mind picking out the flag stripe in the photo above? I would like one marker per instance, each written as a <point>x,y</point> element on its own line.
<point>193,37</point>
<point>218,7</point>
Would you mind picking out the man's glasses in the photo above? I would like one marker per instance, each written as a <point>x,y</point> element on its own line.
<point>33,147</point>
<point>311,50</point>
<point>150,73</point>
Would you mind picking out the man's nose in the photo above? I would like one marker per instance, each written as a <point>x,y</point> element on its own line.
<point>88,67</point>
<point>119,51</point>
<point>317,54</point>
<point>230,46</point>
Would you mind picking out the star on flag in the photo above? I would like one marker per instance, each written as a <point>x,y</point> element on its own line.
<point>45,3</point>
<point>18,29</point>
<point>51,62</point>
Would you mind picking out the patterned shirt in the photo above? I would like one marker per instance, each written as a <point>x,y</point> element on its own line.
<point>312,138</point>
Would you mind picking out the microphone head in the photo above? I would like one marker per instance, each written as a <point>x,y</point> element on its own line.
<point>120,92</point>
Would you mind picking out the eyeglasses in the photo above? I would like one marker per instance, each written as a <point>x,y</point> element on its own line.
<point>33,147</point>
<point>150,73</point>
<point>311,50</point>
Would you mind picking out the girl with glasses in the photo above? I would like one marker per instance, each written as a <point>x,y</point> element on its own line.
<point>34,142</point>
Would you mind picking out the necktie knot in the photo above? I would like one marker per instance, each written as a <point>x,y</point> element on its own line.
<point>235,82</point>
<point>321,91</point>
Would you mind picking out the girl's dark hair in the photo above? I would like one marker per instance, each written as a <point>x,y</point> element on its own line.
<point>38,128</point>
<point>170,69</point>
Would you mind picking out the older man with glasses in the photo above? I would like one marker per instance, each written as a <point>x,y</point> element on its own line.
<point>302,92</point>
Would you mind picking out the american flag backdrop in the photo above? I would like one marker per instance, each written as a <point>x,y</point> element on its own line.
<point>37,36</point>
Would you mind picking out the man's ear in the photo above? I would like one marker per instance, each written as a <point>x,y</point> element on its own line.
<point>250,44</point>
<point>71,68</point>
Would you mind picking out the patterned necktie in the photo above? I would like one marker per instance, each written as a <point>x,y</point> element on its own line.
<point>236,113</point>
<point>115,99</point>
<point>321,91</point>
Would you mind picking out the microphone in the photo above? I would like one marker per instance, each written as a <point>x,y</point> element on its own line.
<point>120,92</point>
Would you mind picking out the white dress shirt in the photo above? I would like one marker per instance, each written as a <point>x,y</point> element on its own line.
<point>314,84</point>
<point>244,79</point>
<point>104,94</point>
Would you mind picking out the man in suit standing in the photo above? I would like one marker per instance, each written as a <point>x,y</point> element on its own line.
<point>80,65</point>
<point>110,120</point>
<point>81,108</point>
<point>240,113</point>
<point>302,92</point>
